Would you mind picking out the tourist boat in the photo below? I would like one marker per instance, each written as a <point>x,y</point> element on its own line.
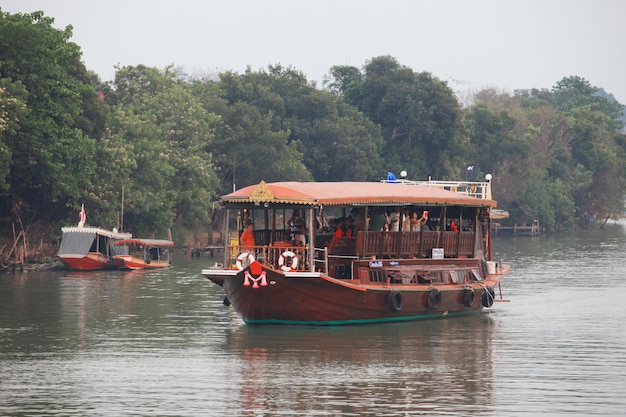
<point>144,254</point>
<point>442,270</point>
<point>90,248</point>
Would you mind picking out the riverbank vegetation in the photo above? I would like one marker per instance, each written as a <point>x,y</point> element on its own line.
<point>151,150</point>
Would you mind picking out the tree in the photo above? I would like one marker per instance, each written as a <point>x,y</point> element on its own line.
<point>596,146</point>
<point>52,165</point>
<point>167,132</point>
<point>517,139</point>
<point>13,97</point>
<point>572,92</point>
<point>253,142</point>
<point>344,81</point>
<point>555,156</point>
<point>342,148</point>
<point>338,142</point>
<point>418,114</point>
<point>249,149</point>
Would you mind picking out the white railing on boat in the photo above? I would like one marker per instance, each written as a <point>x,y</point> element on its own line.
<point>476,189</point>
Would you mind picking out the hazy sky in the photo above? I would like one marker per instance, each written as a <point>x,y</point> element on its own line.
<point>472,44</point>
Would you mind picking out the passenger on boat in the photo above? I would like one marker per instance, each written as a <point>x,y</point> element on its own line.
<point>406,220</point>
<point>359,221</point>
<point>386,238</point>
<point>340,232</point>
<point>246,241</point>
<point>417,223</point>
<point>299,239</point>
<point>294,222</point>
<point>379,219</point>
<point>347,227</point>
<point>394,220</point>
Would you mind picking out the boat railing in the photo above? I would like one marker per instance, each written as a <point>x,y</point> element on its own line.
<point>476,189</point>
<point>275,255</point>
<point>414,244</point>
<point>320,259</point>
<point>366,245</point>
<point>343,246</point>
<point>268,236</point>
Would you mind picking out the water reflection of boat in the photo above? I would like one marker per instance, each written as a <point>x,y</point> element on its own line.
<point>440,269</point>
<point>144,254</point>
<point>413,368</point>
<point>90,248</point>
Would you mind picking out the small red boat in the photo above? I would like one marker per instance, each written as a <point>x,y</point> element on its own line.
<point>438,265</point>
<point>90,248</point>
<point>144,254</point>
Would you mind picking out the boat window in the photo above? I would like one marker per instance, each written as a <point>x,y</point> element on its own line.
<point>427,277</point>
<point>377,275</point>
<point>456,277</point>
<point>476,275</point>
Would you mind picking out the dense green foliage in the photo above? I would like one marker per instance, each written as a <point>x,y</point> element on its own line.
<point>168,145</point>
<point>419,115</point>
<point>52,140</point>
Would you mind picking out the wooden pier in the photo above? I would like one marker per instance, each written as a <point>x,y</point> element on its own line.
<point>529,230</point>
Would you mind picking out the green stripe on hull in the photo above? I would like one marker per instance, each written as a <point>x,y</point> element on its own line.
<point>361,321</point>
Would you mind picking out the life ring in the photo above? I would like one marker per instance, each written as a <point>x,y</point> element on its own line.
<point>468,297</point>
<point>488,297</point>
<point>244,255</point>
<point>434,299</point>
<point>394,300</point>
<point>294,261</point>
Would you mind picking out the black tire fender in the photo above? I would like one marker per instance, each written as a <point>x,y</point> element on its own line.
<point>488,297</point>
<point>394,300</point>
<point>434,299</point>
<point>469,295</point>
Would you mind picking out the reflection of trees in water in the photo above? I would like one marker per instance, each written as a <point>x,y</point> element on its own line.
<point>424,367</point>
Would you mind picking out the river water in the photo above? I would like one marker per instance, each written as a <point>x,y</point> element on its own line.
<point>160,343</point>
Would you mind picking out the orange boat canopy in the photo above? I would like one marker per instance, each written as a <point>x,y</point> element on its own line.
<point>349,193</point>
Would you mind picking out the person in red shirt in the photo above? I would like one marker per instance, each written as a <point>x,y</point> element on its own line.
<point>337,223</point>
<point>246,241</point>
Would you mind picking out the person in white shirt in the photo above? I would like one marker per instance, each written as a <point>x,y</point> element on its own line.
<point>394,220</point>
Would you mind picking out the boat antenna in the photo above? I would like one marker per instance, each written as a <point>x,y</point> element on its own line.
<point>122,215</point>
<point>234,171</point>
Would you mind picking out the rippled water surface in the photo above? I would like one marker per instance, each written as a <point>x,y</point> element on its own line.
<point>161,343</point>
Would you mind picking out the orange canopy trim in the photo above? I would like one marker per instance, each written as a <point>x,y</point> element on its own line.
<point>145,242</point>
<point>350,193</point>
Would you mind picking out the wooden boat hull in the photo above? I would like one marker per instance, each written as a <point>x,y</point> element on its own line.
<point>93,261</point>
<point>350,273</point>
<point>316,299</point>
<point>126,262</point>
